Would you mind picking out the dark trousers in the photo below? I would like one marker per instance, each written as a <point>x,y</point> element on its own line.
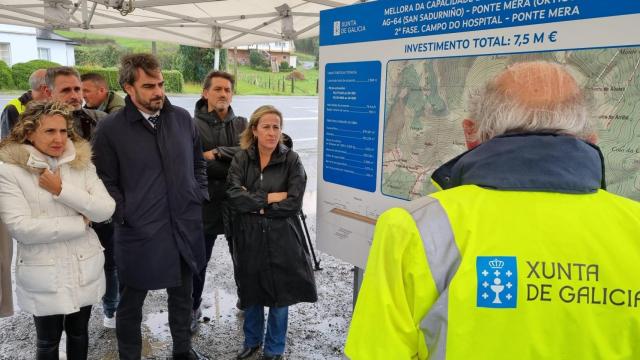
<point>112,293</point>
<point>129,317</point>
<point>199,279</point>
<point>49,330</point>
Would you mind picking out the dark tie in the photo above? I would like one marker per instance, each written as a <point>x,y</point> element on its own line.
<point>154,120</point>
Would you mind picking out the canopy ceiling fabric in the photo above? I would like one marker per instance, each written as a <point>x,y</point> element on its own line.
<point>213,23</point>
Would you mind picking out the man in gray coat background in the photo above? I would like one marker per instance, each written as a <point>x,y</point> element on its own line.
<point>219,130</point>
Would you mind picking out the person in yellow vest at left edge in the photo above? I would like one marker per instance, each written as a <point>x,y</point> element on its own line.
<point>523,255</point>
<point>16,106</point>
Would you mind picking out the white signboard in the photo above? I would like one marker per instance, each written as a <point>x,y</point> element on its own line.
<point>396,77</point>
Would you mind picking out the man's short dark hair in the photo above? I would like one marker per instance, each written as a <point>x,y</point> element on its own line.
<point>54,72</point>
<point>130,64</point>
<point>96,79</point>
<point>220,74</point>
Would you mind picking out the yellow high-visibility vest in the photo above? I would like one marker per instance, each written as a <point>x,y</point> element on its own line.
<point>476,273</point>
<point>17,104</point>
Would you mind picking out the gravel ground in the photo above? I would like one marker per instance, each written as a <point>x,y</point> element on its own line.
<point>316,331</point>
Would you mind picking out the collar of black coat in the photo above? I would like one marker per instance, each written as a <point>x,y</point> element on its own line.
<point>279,154</point>
<point>202,112</point>
<point>132,113</point>
<point>528,162</point>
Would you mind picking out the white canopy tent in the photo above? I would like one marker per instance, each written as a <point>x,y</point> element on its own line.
<point>212,23</point>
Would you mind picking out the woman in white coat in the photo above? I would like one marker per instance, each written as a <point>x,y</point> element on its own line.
<point>49,194</point>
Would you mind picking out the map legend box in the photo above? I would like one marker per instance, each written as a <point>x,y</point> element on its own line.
<point>351,110</point>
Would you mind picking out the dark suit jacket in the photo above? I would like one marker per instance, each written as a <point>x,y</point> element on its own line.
<point>158,180</point>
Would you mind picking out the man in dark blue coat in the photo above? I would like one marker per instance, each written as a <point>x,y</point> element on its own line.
<point>150,159</point>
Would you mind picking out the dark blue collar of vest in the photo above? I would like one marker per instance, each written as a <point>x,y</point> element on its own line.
<point>528,162</point>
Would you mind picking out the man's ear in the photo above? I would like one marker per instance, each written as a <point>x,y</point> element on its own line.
<point>469,128</point>
<point>128,88</point>
<point>592,138</point>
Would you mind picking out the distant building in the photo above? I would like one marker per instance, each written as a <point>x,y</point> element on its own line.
<point>20,44</point>
<point>277,52</point>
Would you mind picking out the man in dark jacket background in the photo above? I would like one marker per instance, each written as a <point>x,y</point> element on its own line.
<point>219,130</point>
<point>97,96</point>
<point>149,157</point>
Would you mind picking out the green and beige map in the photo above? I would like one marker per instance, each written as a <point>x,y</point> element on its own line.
<point>426,102</point>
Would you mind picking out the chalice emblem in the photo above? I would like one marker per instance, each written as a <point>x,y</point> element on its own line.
<point>497,285</point>
<point>497,288</point>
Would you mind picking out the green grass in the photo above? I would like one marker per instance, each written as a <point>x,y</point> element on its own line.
<point>250,81</point>
<point>134,44</point>
<point>254,82</point>
<point>304,57</point>
<point>192,88</point>
<point>245,84</point>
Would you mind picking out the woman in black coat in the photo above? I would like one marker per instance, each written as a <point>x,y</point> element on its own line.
<point>265,186</point>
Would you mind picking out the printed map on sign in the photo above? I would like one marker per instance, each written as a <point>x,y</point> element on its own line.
<point>426,102</point>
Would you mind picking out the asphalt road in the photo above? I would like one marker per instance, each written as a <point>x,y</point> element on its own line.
<point>300,113</point>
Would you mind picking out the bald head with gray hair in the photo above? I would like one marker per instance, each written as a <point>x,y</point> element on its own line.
<point>37,79</point>
<point>529,97</point>
<point>38,83</point>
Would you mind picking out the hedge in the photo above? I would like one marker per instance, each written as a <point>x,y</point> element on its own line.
<point>22,71</point>
<point>173,81</point>
<point>18,75</point>
<point>6,80</point>
<point>110,74</point>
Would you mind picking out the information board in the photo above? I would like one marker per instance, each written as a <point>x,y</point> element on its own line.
<point>396,78</point>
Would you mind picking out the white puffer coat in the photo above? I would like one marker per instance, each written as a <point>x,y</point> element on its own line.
<point>59,264</point>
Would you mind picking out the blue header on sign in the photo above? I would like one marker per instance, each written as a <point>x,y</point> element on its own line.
<point>384,20</point>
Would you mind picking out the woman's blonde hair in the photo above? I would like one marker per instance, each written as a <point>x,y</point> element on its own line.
<point>247,138</point>
<point>32,117</point>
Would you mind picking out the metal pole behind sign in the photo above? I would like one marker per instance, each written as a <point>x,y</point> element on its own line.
<point>357,282</point>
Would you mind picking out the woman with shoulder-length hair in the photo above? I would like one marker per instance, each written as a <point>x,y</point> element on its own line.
<point>49,193</point>
<point>265,185</point>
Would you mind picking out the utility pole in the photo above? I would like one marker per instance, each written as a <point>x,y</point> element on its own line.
<point>235,63</point>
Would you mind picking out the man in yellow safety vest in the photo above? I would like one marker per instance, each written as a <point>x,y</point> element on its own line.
<point>523,255</point>
<point>15,107</point>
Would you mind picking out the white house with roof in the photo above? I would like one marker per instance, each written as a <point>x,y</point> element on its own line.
<point>276,52</point>
<point>20,44</point>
